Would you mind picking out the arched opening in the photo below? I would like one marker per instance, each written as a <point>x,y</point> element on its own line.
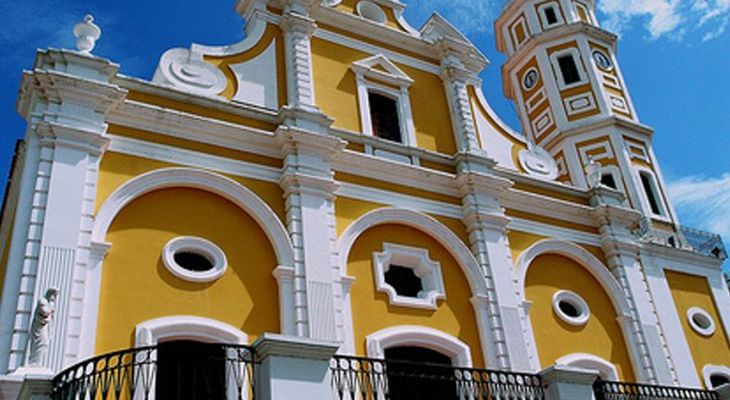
<point>419,373</point>
<point>188,370</point>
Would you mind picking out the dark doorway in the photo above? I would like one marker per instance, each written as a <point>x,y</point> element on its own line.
<point>188,370</point>
<point>419,373</point>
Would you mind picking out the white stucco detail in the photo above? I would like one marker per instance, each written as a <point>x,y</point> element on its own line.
<point>419,336</point>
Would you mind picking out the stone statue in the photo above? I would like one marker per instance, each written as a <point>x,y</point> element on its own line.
<point>593,173</point>
<point>40,328</point>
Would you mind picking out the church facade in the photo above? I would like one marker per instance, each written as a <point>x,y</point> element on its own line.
<point>337,185</point>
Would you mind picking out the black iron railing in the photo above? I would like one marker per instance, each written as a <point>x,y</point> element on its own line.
<point>135,374</point>
<point>607,390</point>
<point>362,378</point>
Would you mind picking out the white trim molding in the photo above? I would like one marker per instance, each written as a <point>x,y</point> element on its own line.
<point>607,370</point>
<point>201,247</point>
<point>203,180</point>
<point>431,227</point>
<point>419,336</point>
<point>701,321</point>
<point>187,327</point>
<point>581,256</point>
<point>427,270</point>
<point>708,371</point>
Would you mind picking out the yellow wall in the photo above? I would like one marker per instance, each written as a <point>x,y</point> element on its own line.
<point>371,311</point>
<point>602,334</point>
<point>137,287</point>
<point>693,291</point>
<point>336,93</point>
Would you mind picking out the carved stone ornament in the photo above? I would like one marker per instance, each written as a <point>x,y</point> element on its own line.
<point>537,162</point>
<point>186,70</point>
<point>40,328</point>
<point>86,33</point>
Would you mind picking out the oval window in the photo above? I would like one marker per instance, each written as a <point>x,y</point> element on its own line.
<point>194,259</point>
<point>571,308</point>
<point>701,321</point>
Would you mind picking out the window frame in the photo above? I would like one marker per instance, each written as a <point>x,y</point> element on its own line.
<point>395,84</point>
<point>541,10</point>
<point>709,370</point>
<point>582,73</point>
<point>654,188</point>
<point>428,270</point>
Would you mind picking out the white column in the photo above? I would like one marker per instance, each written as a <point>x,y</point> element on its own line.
<point>293,368</point>
<point>506,334</point>
<point>65,100</point>
<point>309,189</point>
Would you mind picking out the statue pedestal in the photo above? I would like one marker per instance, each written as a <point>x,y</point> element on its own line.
<point>27,383</point>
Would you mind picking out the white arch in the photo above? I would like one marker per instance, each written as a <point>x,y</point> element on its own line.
<point>419,336</point>
<point>187,327</point>
<point>197,179</point>
<point>428,225</point>
<point>607,370</point>
<point>581,256</point>
<point>423,223</point>
<point>188,178</point>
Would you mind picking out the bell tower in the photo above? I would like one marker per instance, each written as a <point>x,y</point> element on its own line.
<point>563,75</point>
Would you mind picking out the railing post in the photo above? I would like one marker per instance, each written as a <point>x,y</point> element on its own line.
<point>293,368</point>
<point>723,392</point>
<point>568,383</point>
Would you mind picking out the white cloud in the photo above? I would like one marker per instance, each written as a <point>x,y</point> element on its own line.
<point>703,202</point>
<point>662,16</point>
<point>669,18</point>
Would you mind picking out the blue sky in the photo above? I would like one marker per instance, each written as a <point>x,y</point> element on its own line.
<point>674,55</point>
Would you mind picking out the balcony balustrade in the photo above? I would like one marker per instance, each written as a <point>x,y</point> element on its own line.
<point>362,378</point>
<point>607,390</point>
<point>161,372</point>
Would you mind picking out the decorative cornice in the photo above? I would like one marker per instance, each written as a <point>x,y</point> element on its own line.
<point>62,135</point>
<point>295,140</point>
<point>60,87</point>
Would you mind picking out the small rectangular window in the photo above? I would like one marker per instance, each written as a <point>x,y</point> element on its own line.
<point>551,16</point>
<point>568,69</point>
<point>384,117</point>
<point>648,183</point>
<point>608,180</point>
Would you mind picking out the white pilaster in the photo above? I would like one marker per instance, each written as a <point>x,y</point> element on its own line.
<point>298,27</point>
<point>508,345</point>
<point>65,100</point>
<point>456,80</point>
<point>309,189</point>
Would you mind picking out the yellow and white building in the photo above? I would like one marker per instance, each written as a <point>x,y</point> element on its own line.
<point>338,180</point>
